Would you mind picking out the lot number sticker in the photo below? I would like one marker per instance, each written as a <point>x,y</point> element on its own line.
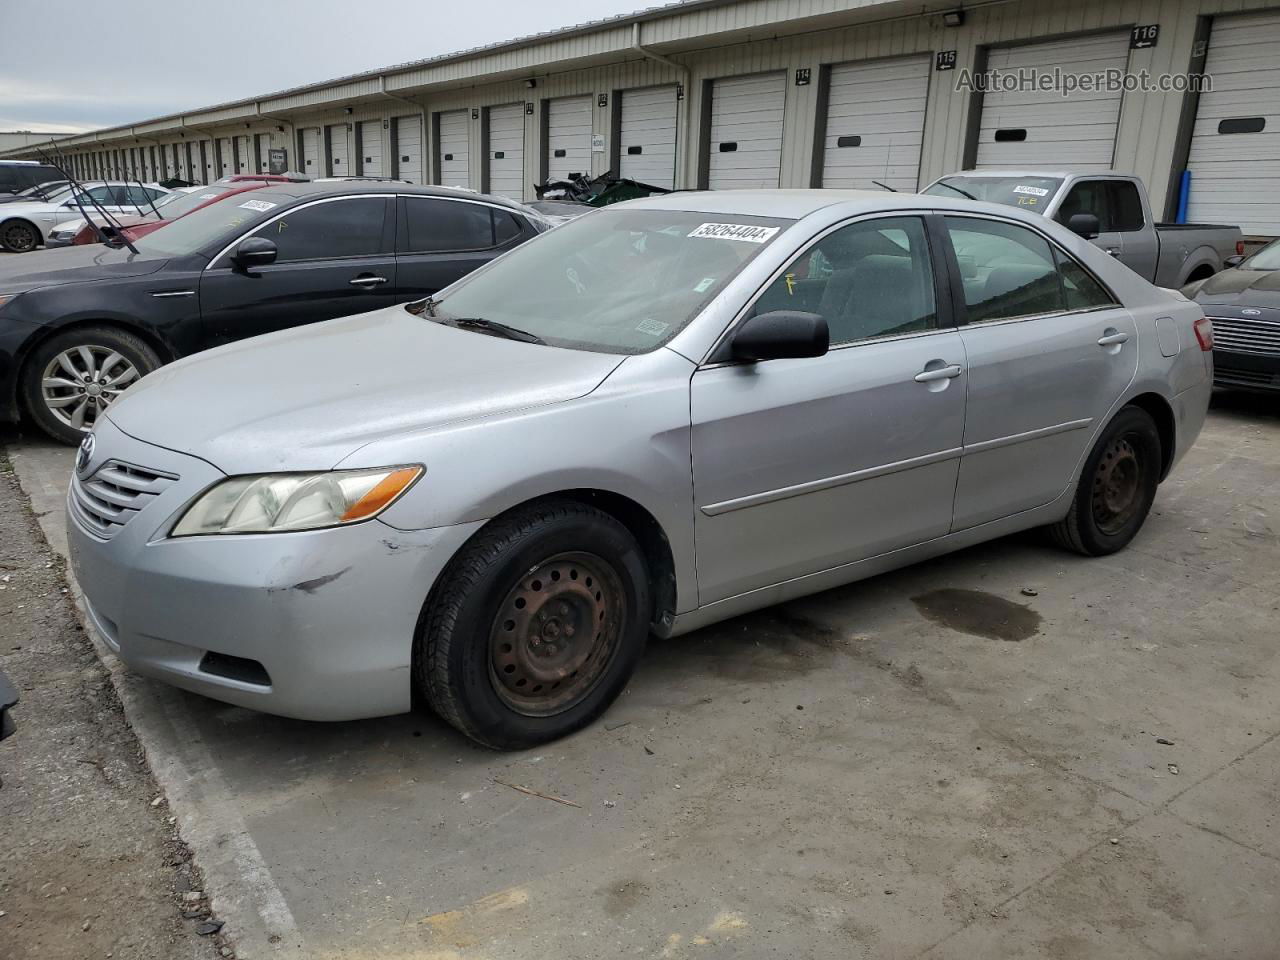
<point>1032,191</point>
<point>258,205</point>
<point>735,231</point>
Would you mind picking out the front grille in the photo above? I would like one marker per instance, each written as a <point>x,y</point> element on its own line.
<point>1245,378</point>
<point>115,494</point>
<point>1246,336</point>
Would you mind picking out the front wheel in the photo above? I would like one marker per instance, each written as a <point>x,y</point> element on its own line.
<point>536,626</point>
<point>71,378</point>
<point>1117,487</point>
<point>16,236</point>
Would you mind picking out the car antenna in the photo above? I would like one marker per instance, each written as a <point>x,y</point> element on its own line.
<point>76,190</point>
<point>884,186</point>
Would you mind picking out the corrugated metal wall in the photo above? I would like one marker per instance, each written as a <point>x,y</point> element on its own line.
<point>712,43</point>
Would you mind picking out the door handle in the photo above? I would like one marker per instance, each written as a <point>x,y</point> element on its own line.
<point>1111,339</point>
<point>367,281</point>
<point>939,373</point>
<point>1113,251</point>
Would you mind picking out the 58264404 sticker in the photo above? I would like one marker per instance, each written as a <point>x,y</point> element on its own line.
<point>259,205</point>
<point>745,232</point>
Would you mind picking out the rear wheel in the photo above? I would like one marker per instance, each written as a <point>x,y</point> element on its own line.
<point>71,378</point>
<point>1117,487</point>
<point>18,236</point>
<point>536,627</point>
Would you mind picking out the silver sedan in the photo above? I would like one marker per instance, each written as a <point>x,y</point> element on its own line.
<point>659,415</point>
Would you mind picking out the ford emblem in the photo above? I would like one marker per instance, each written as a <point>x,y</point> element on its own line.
<point>1250,312</point>
<point>85,453</point>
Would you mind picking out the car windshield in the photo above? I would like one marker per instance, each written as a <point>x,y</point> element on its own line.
<point>176,205</point>
<point>200,228</point>
<point>617,281</point>
<point>1268,258</point>
<point>1028,192</point>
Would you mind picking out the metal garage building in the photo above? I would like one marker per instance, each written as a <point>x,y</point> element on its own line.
<point>744,93</point>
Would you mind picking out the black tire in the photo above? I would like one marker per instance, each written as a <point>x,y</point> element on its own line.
<point>457,655</point>
<point>1116,489</point>
<point>131,348</point>
<point>18,236</point>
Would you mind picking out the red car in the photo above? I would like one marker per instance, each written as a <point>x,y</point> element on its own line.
<point>184,203</point>
<point>266,177</point>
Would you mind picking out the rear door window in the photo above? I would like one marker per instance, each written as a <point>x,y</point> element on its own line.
<point>435,225</point>
<point>1008,270</point>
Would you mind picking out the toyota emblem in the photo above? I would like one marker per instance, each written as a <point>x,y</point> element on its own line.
<point>85,453</point>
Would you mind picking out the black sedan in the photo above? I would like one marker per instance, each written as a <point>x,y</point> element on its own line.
<point>1244,305</point>
<point>79,325</point>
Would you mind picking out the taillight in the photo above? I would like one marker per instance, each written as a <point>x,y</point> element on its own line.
<point>1239,248</point>
<point>1204,333</point>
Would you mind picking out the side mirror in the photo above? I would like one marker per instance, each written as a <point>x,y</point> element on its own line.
<point>1084,225</point>
<point>1233,261</point>
<point>779,335</point>
<point>254,252</point>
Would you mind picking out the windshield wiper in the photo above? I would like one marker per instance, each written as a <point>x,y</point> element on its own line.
<point>963,193</point>
<point>884,186</point>
<point>493,326</point>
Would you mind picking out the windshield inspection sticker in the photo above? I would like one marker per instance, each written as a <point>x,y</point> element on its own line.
<point>258,205</point>
<point>207,196</point>
<point>1032,191</point>
<point>655,328</point>
<point>705,284</point>
<point>736,231</point>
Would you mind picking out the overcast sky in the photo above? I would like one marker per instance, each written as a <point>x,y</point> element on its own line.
<point>81,64</point>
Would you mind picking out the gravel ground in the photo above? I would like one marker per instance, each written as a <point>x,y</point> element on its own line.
<point>89,866</point>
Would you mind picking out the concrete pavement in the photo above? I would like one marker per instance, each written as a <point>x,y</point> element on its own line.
<point>877,771</point>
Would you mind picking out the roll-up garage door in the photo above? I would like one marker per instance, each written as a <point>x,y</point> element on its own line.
<point>455,166</point>
<point>226,158</point>
<point>408,148</point>
<point>311,153</point>
<point>262,146</point>
<point>1026,128</point>
<point>340,151</point>
<point>746,131</point>
<point>506,151</point>
<point>568,137</point>
<point>647,144</point>
<point>1235,147</point>
<point>210,161</point>
<point>244,156</point>
<point>875,124</point>
<point>371,149</point>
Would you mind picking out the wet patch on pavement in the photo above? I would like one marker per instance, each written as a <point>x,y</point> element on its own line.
<point>979,614</point>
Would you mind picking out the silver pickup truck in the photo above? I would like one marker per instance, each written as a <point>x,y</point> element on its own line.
<point>1168,254</point>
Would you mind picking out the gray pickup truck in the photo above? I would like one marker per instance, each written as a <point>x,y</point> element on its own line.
<point>1168,254</point>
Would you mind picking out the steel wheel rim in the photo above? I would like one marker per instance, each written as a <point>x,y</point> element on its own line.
<point>19,238</point>
<point>555,634</point>
<point>1117,486</point>
<point>79,383</point>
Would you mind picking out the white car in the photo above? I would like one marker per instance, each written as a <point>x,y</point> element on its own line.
<point>64,234</point>
<point>25,226</point>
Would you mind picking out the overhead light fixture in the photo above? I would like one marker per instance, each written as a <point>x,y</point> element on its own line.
<point>953,18</point>
<point>347,110</point>
<point>531,83</point>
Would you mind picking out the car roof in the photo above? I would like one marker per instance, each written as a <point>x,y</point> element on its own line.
<point>796,204</point>
<point>1032,172</point>
<point>346,187</point>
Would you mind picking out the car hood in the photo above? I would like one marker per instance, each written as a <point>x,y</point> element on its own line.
<point>29,208</point>
<point>306,398</point>
<point>1242,288</point>
<point>42,268</point>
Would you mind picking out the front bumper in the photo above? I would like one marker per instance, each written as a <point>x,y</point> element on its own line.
<point>328,616</point>
<point>1246,371</point>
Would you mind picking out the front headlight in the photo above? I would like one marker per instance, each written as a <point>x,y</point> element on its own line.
<point>280,502</point>
<point>6,297</point>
